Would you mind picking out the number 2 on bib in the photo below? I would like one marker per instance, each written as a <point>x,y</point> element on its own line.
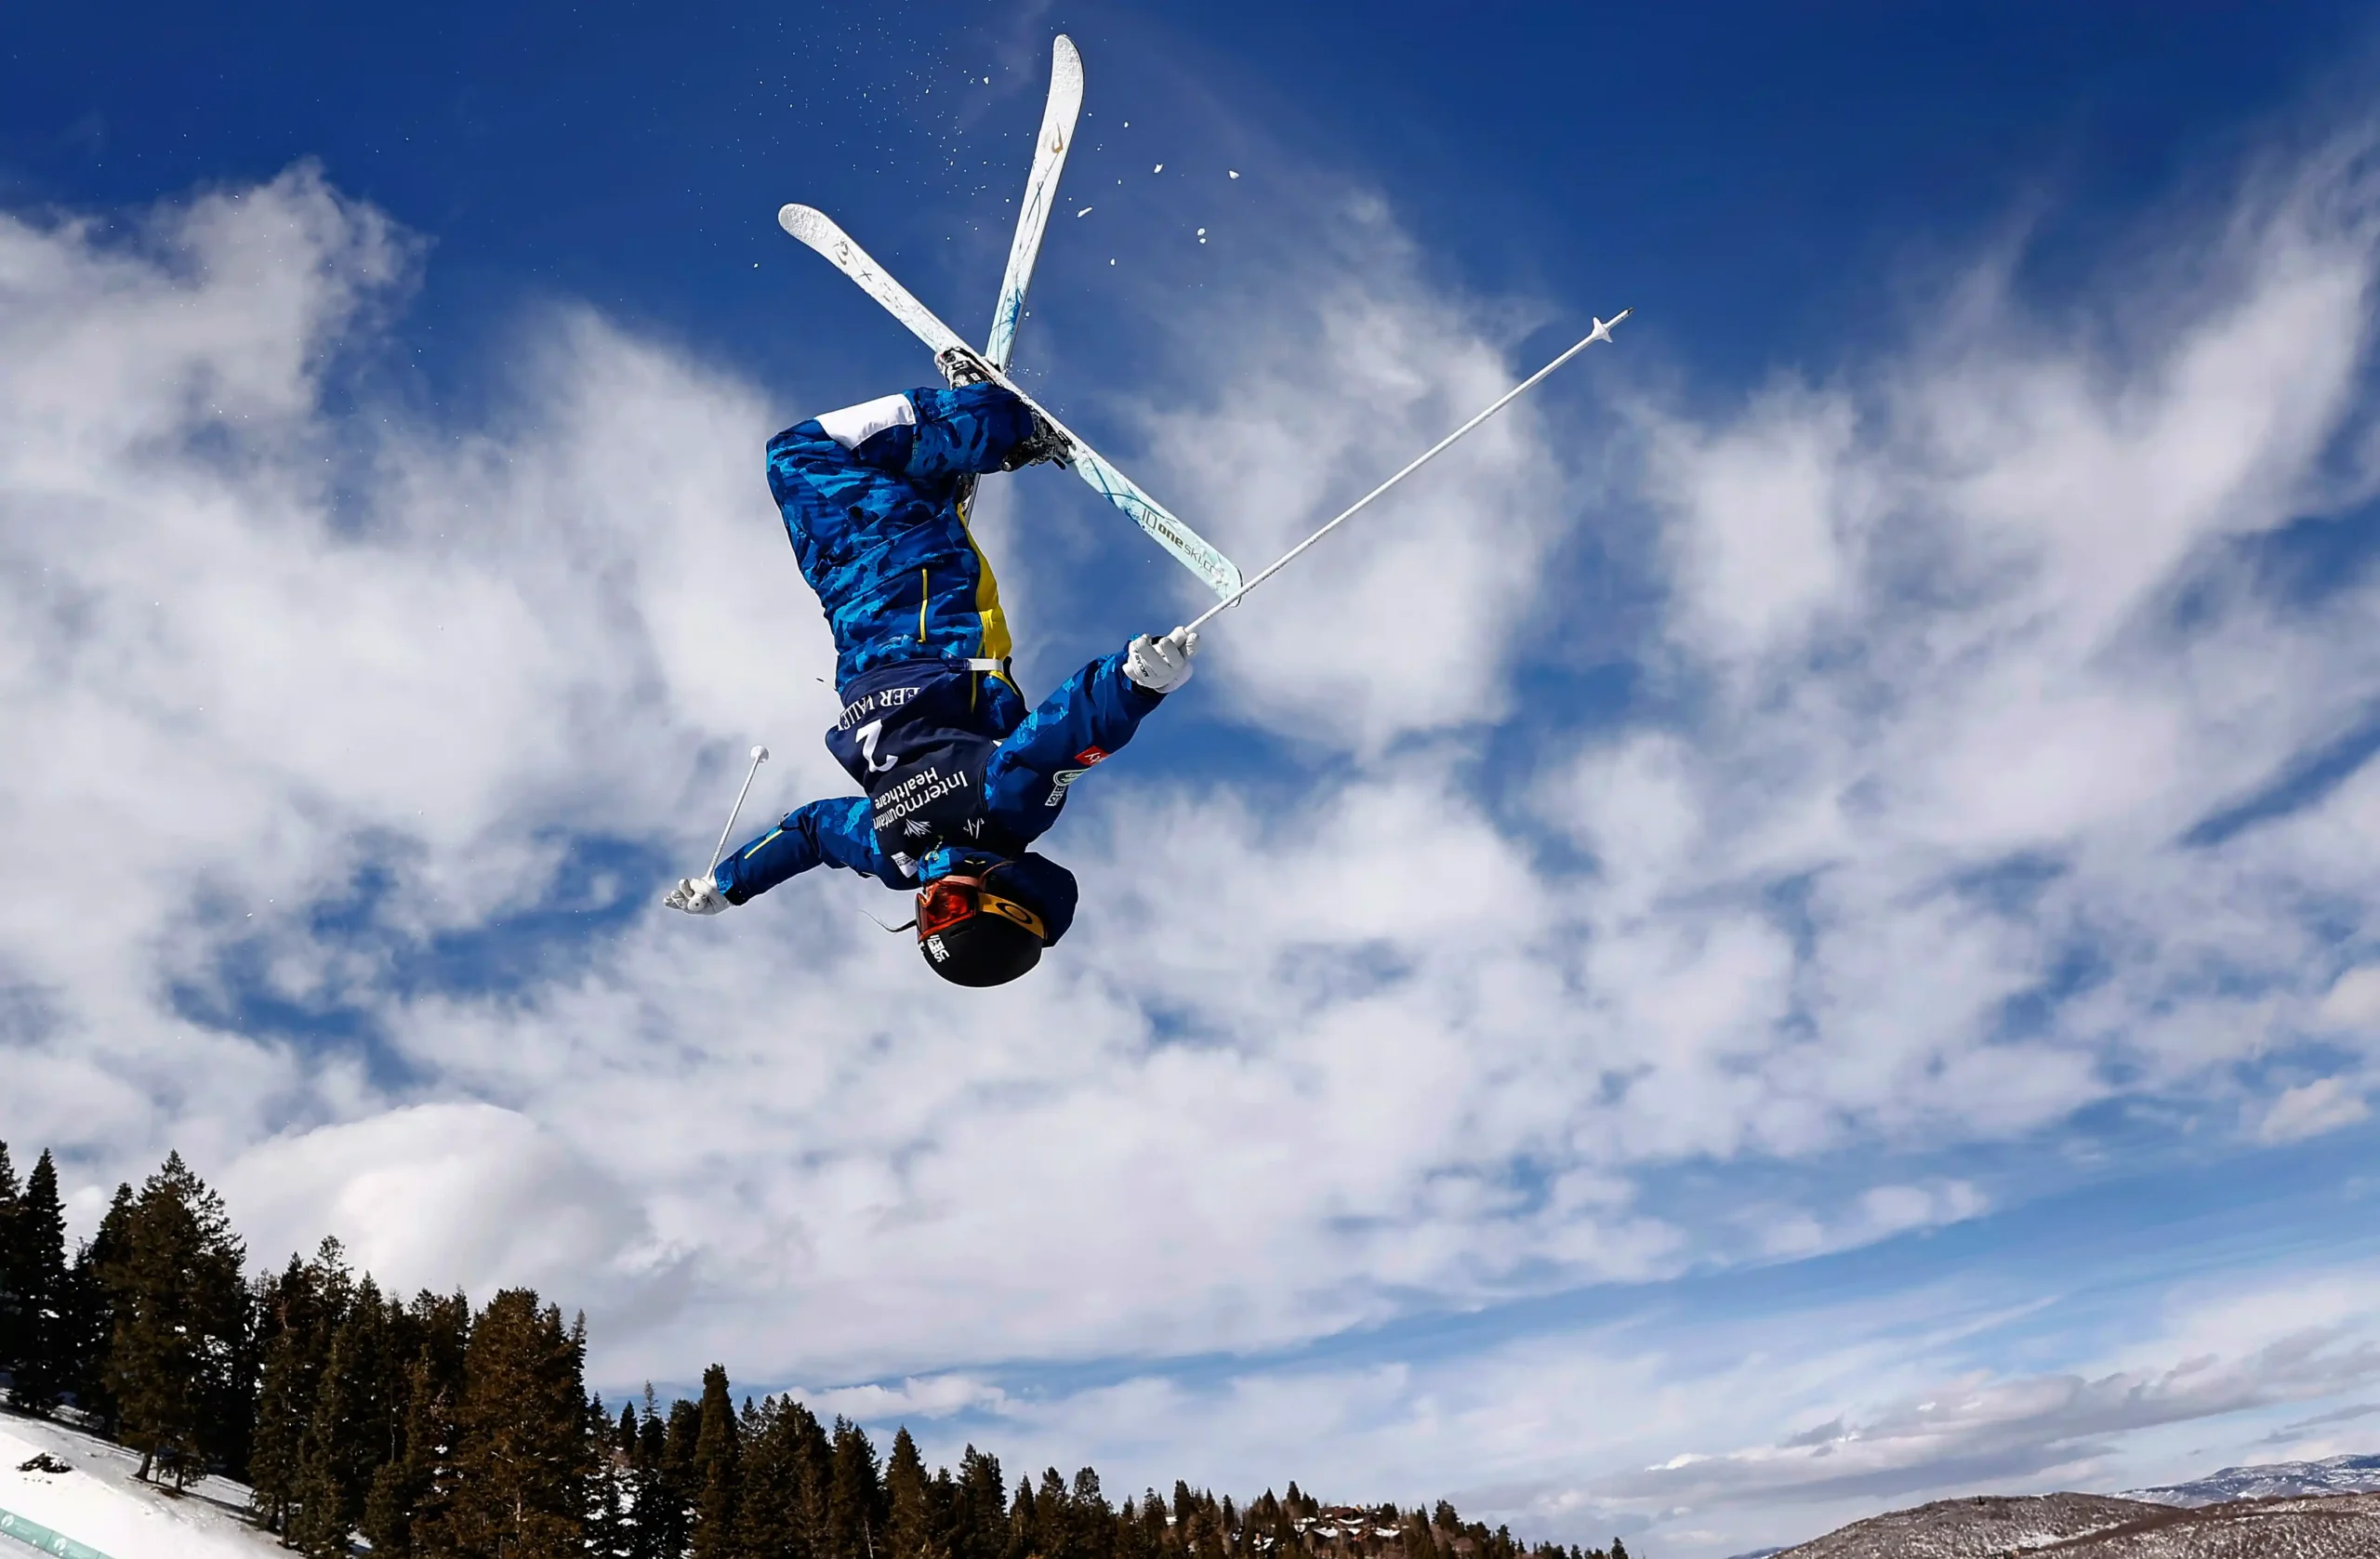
<point>868,736</point>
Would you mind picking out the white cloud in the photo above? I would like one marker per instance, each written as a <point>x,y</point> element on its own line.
<point>2324,1104</point>
<point>440,1196</point>
<point>2353,1000</point>
<point>1771,512</point>
<point>937,1397</point>
<point>1879,1212</point>
<point>1412,621</point>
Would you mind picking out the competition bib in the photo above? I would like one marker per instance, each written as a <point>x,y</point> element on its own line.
<point>914,738</point>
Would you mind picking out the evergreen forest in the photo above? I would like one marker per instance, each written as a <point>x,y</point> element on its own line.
<point>431,1427</point>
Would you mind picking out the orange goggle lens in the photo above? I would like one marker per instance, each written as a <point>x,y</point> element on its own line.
<point>955,901</point>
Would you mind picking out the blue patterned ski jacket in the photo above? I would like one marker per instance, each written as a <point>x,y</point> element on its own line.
<point>932,727</point>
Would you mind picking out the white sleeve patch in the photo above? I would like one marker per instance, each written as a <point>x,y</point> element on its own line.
<point>854,426</point>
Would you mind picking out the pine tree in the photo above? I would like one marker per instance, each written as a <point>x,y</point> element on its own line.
<point>607,1508</point>
<point>764,1516</point>
<point>682,1434</point>
<point>788,1478</point>
<point>358,1414</point>
<point>179,1307</point>
<point>1055,1511</point>
<point>12,1341</point>
<point>1205,1531</point>
<point>234,1409</point>
<point>942,1507</point>
<point>979,1514</point>
<point>1091,1522</point>
<point>90,1313</point>
<point>303,1307</point>
<point>622,1438</point>
<point>521,1455</point>
<point>1155,1528</point>
<point>814,1453</point>
<point>855,1497</point>
<point>403,1491</point>
<point>35,1261</point>
<point>1023,1523</point>
<point>1132,1533</point>
<point>718,1462</point>
<point>413,1488</point>
<point>909,1524</point>
<point>1619,1549</point>
<point>650,1519</point>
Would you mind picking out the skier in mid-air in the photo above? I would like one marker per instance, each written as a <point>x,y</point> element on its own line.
<point>961,777</point>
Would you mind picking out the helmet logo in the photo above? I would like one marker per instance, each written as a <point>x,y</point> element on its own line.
<point>934,946</point>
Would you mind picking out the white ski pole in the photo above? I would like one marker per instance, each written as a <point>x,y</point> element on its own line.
<point>1601,332</point>
<point>759,755</point>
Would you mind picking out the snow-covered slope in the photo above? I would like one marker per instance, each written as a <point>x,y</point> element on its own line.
<point>2092,1526</point>
<point>2271,1480</point>
<point>1984,1527</point>
<point>100,1505</point>
<point>2334,1526</point>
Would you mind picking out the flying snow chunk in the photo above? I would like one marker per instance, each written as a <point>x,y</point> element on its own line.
<point>1084,212</point>
<point>1234,172</point>
<point>1159,168</point>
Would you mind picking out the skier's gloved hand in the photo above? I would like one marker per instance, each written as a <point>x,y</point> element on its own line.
<point>1161,665</point>
<point>1043,444</point>
<point>697,895</point>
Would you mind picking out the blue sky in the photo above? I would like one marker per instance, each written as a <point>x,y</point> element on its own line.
<point>1789,930</point>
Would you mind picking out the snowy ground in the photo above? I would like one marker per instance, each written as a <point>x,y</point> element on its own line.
<point>100,1505</point>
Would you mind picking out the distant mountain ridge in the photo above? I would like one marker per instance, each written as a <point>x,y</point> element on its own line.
<point>2094,1526</point>
<point>2300,1510</point>
<point>2272,1480</point>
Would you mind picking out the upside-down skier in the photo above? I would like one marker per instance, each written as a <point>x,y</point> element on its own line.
<point>960,777</point>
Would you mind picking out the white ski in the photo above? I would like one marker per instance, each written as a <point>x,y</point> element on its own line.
<point>1040,193</point>
<point>818,231</point>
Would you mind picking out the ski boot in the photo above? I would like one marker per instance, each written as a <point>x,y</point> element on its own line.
<point>960,368</point>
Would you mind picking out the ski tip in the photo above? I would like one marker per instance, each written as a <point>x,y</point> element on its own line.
<point>1065,77</point>
<point>798,219</point>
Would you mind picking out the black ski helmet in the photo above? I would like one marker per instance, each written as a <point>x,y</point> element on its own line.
<point>973,934</point>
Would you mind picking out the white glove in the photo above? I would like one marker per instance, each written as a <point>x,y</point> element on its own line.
<point>1161,665</point>
<point>697,895</point>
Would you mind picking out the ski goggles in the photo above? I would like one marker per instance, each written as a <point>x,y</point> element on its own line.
<point>955,900</point>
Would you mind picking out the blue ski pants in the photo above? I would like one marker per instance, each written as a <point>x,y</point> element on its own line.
<point>871,497</point>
